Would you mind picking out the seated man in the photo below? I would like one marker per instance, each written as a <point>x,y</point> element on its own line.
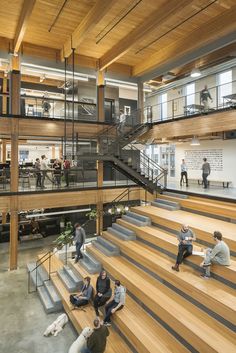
<point>103,288</point>
<point>185,237</point>
<point>84,296</point>
<point>97,341</point>
<point>219,255</point>
<point>117,303</point>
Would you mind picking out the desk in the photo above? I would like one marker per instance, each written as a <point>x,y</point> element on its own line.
<point>193,109</point>
<point>230,100</point>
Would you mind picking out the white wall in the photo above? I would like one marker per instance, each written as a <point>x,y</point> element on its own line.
<point>37,151</point>
<point>228,148</point>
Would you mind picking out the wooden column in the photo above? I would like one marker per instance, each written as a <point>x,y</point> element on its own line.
<point>4,151</point>
<point>100,96</point>
<point>99,221</point>
<point>15,110</point>
<point>140,102</point>
<point>4,98</point>
<point>4,217</point>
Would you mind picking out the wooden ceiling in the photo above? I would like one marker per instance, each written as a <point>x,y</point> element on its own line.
<point>143,34</point>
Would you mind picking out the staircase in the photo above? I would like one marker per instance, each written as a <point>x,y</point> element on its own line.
<point>121,154</point>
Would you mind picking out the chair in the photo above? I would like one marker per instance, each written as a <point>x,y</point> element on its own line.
<point>25,179</point>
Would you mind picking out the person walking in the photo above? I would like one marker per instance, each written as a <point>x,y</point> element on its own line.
<point>184,173</point>
<point>219,255</point>
<point>186,236</point>
<point>79,239</point>
<point>37,167</point>
<point>121,126</point>
<point>44,169</point>
<point>204,95</point>
<point>206,170</point>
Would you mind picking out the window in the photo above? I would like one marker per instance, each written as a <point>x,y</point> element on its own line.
<point>163,106</point>
<point>225,85</point>
<point>190,94</point>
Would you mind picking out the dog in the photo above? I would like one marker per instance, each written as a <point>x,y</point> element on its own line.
<point>80,342</point>
<point>56,326</point>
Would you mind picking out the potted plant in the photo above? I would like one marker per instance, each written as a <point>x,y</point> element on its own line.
<point>65,238</point>
<point>92,215</point>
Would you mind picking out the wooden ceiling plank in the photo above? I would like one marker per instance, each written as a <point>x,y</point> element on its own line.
<point>155,20</point>
<point>98,11</point>
<point>26,11</point>
<point>214,29</point>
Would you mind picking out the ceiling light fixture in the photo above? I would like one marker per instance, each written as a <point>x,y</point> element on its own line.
<point>195,141</point>
<point>195,73</point>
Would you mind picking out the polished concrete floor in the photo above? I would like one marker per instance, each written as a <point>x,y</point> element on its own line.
<point>22,316</point>
<point>218,191</point>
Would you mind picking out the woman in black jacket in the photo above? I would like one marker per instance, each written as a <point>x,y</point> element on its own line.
<point>103,291</point>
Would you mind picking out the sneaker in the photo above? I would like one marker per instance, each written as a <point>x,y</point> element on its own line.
<point>206,264</point>
<point>107,324</point>
<point>205,276</point>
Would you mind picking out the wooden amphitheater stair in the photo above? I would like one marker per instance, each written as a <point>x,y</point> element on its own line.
<point>143,332</point>
<point>161,239</point>
<point>212,294</point>
<point>203,226</point>
<point>222,209</point>
<point>80,318</point>
<point>202,332</point>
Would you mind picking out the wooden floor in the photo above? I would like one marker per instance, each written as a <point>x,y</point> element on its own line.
<point>203,226</point>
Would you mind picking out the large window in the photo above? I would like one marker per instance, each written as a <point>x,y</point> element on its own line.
<point>163,106</point>
<point>225,85</point>
<point>190,94</point>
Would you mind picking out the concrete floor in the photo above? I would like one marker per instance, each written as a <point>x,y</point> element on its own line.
<point>22,316</point>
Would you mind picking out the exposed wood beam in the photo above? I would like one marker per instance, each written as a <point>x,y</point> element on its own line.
<point>155,20</point>
<point>98,11</point>
<point>26,11</point>
<point>213,30</point>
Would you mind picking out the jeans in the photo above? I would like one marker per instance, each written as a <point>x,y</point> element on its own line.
<point>209,261</point>
<point>185,250</point>
<point>38,179</point>
<point>44,175</point>
<point>204,179</point>
<point>184,175</point>
<point>108,309</point>
<point>66,175</point>
<point>78,302</point>
<point>99,301</point>
<point>85,350</point>
<point>78,252</point>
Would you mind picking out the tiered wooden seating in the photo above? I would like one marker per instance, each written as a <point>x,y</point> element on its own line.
<point>203,226</point>
<point>204,333</point>
<point>79,318</point>
<point>218,208</point>
<point>214,295</point>
<point>169,243</point>
<point>144,333</point>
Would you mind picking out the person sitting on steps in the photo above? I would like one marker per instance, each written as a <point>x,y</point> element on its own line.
<point>104,292</point>
<point>117,303</point>
<point>186,236</point>
<point>219,255</point>
<point>84,296</point>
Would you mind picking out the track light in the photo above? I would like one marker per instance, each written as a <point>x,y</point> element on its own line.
<point>195,141</point>
<point>195,72</point>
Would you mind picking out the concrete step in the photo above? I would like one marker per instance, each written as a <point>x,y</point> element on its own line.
<point>107,247</point>
<point>175,194</point>
<point>139,217</point>
<point>90,263</point>
<point>41,274</point>
<point>166,206</point>
<point>45,299</point>
<point>53,294</point>
<point>76,278</point>
<point>123,230</point>
<point>120,235</point>
<point>67,281</point>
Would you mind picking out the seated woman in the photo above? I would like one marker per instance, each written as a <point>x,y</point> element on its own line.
<point>83,297</point>
<point>103,291</point>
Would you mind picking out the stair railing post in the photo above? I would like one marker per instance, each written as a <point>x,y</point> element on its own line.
<point>36,279</point>
<point>49,266</point>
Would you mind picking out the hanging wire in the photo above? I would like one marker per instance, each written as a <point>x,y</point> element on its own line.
<point>73,104</point>
<point>65,110</point>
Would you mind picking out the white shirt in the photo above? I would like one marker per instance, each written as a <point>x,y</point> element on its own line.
<point>44,165</point>
<point>184,167</point>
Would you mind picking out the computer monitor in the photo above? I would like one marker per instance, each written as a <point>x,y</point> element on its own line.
<point>28,164</point>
